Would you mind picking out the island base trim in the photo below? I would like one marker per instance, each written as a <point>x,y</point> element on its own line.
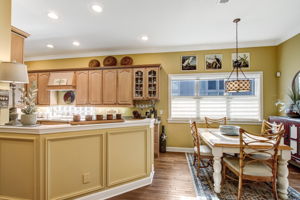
<point>119,189</point>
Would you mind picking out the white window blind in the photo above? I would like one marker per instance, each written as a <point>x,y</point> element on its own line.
<point>196,96</point>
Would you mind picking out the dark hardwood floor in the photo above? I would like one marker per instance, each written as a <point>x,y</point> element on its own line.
<point>172,181</point>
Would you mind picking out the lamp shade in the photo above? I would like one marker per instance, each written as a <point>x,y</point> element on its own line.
<point>238,86</point>
<point>11,72</point>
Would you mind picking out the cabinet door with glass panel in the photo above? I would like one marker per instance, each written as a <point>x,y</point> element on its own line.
<point>139,84</point>
<point>152,83</point>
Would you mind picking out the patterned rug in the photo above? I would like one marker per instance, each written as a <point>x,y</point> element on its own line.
<point>253,191</point>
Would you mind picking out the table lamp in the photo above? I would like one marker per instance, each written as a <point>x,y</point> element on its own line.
<point>13,73</point>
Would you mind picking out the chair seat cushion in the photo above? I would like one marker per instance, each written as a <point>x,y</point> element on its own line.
<point>251,169</point>
<point>204,150</point>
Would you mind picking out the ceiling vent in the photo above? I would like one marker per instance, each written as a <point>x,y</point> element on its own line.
<point>222,1</point>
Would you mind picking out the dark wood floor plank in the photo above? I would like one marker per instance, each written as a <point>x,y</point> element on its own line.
<point>172,181</point>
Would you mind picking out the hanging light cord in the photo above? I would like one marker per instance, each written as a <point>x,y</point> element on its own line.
<point>237,68</point>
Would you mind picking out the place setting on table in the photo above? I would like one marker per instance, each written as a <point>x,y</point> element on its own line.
<point>216,170</point>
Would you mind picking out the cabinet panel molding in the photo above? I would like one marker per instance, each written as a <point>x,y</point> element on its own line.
<point>109,87</point>
<point>125,87</point>
<point>95,87</point>
<point>43,93</point>
<point>82,87</point>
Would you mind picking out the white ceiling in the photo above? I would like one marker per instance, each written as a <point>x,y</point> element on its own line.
<point>172,25</point>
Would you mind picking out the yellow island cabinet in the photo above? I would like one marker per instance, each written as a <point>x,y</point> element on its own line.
<point>86,162</point>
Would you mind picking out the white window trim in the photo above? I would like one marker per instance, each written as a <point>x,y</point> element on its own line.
<point>199,76</point>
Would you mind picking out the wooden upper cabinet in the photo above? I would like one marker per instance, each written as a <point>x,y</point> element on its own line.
<point>95,87</point>
<point>17,44</point>
<point>125,87</point>
<point>152,83</point>
<point>43,93</point>
<point>33,79</point>
<point>82,87</point>
<point>109,84</point>
<point>139,84</point>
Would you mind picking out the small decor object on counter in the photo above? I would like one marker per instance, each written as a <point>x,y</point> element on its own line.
<point>29,116</point>
<point>94,63</point>
<point>110,61</point>
<point>69,97</point>
<point>136,114</point>
<point>118,116</point>
<point>126,60</point>
<point>88,117</point>
<point>109,116</point>
<point>163,141</point>
<point>188,63</point>
<point>76,118</point>
<point>99,117</point>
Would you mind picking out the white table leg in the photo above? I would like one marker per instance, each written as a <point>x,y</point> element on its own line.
<point>217,153</point>
<point>283,172</point>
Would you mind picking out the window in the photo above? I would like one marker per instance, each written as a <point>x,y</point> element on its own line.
<point>196,96</point>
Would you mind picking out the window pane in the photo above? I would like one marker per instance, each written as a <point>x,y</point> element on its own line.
<point>211,87</point>
<point>183,88</point>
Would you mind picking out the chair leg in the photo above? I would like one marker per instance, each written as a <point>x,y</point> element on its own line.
<point>240,188</point>
<point>224,173</point>
<point>274,188</point>
<point>198,166</point>
<point>194,163</point>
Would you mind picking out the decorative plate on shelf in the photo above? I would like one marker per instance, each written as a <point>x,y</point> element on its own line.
<point>69,97</point>
<point>110,61</point>
<point>94,63</point>
<point>126,60</point>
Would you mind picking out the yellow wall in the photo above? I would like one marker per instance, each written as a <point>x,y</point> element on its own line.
<point>288,65</point>
<point>5,45</point>
<point>262,59</point>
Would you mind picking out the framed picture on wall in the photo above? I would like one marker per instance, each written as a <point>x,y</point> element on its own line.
<point>188,63</point>
<point>213,61</point>
<point>243,58</point>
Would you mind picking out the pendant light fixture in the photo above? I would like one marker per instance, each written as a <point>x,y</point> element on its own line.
<point>238,84</point>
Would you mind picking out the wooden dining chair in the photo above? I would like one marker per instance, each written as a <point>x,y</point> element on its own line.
<point>270,128</point>
<point>201,151</point>
<point>215,122</point>
<point>254,163</point>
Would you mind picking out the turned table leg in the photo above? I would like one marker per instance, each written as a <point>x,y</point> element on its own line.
<point>283,172</point>
<point>217,153</point>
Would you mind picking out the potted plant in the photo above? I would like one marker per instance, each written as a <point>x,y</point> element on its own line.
<point>28,107</point>
<point>292,109</point>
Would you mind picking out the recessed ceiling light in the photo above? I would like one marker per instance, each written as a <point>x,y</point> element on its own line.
<point>97,8</point>
<point>222,1</point>
<point>76,43</point>
<point>50,46</point>
<point>52,15</point>
<point>145,38</point>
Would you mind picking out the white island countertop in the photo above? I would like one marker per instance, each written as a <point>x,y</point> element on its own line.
<point>47,129</point>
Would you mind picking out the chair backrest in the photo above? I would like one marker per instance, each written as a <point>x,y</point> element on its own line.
<point>267,154</point>
<point>270,128</point>
<point>195,134</point>
<point>215,123</point>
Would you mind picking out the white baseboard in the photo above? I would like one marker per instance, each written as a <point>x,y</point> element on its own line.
<point>180,149</point>
<point>119,189</point>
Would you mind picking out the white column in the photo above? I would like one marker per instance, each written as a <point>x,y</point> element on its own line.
<point>283,172</point>
<point>217,153</point>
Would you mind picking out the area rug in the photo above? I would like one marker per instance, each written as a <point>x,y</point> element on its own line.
<point>252,191</point>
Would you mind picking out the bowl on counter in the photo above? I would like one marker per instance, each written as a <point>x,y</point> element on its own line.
<point>230,130</point>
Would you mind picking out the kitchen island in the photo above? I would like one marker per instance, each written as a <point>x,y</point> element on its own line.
<point>95,161</point>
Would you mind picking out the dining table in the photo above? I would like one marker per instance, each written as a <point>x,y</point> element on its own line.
<point>221,144</point>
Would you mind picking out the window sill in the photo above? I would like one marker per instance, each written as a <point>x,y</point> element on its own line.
<point>185,121</point>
